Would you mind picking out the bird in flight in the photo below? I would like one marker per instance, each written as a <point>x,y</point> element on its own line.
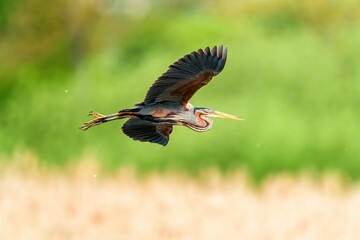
<point>166,103</point>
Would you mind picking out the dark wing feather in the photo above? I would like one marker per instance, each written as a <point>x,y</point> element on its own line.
<point>186,76</point>
<point>146,131</point>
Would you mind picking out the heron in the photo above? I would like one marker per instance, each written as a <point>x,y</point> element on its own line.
<point>166,103</point>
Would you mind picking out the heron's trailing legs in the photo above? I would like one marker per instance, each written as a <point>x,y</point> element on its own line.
<point>100,118</point>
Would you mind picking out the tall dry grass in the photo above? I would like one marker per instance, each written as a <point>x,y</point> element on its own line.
<point>83,203</point>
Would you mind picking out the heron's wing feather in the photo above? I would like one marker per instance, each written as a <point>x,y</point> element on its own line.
<point>186,76</point>
<point>146,131</point>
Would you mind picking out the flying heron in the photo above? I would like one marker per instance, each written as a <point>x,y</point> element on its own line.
<point>166,103</point>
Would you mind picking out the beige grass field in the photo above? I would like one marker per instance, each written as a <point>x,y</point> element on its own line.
<point>85,204</point>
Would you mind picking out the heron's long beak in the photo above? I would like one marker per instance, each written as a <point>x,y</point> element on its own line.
<point>224,115</point>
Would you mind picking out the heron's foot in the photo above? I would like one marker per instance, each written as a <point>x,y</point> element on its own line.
<point>95,114</point>
<point>91,123</point>
<point>98,119</point>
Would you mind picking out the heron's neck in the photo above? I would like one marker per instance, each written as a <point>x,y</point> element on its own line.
<point>201,123</point>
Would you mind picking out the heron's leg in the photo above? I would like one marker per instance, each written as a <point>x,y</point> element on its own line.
<point>100,118</point>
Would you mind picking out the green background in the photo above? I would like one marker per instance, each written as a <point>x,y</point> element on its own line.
<point>293,72</point>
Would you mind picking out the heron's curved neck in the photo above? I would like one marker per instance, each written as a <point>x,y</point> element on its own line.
<point>202,123</point>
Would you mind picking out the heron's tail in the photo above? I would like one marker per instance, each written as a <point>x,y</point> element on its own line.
<point>100,118</point>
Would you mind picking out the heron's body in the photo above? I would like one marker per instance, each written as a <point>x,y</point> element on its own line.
<point>167,102</point>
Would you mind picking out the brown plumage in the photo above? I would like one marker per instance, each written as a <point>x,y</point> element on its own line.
<point>186,76</point>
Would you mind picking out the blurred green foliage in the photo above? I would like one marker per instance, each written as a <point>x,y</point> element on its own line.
<point>293,73</point>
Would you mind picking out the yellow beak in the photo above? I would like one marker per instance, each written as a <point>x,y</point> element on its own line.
<point>224,115</point>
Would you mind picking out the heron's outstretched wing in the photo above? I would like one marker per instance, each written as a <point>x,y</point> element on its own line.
<point>146,131</point>
<point>186,76</point>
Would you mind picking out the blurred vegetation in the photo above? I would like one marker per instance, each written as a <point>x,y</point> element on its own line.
<point>293,73</point>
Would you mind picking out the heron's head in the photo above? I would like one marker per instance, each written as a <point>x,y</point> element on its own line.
<point>208,112</point>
